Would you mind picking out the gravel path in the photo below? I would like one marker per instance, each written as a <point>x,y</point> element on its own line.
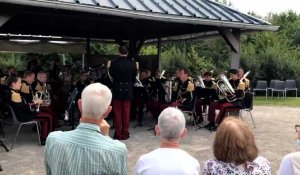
<point>275,137</point>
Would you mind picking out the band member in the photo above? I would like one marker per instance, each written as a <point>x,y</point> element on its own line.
<point>26,90</point>
<point>159,94</point>
<point>41,82</point>
<point>82,82</point>
<point>175,83</point>
<point>245,80</point>
<point>23,109</point>
<point>185,91</point>
<point>104,78</point>
<point>11,71</point>
<point>123,71</point>
<point>40,85</point>
<point>142,95</point>
<point>202,101</point>
<point>239,88</point>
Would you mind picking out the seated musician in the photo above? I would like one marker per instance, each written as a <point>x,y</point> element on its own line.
<point>245,80</point>
<point>158,95</point>
<point>26,90</point>
<point>239,87</point>
<point>9,72</point>
<point>142,95</point>
<point>185,91</point>
<point>203,102</point>
<point>175,82</point>
<point>104,78</point>
<point>24,110</point>
<point>82,82</point>
<point>40,85</point>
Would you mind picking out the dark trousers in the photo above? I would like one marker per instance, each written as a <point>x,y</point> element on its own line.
<point>199,107</point>
<point>138,108</point>
<point>45,120</point>
<point>154,107</point>
<point>121,109</point>
<point>223,107</point>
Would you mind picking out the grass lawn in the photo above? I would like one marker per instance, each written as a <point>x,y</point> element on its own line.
<point>289,101</point>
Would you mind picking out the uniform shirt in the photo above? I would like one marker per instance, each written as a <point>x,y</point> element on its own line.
<point>185,91</point>
<point>165,161</point>
<point>84,151</point>
<point>39,86</point>
<point>21,108</point>
<point>210,84</point>
<point>26,91</point>
<point>123,72</point>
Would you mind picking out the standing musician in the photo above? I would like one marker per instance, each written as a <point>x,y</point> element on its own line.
<point>239,88</point>
<point>123,71</point>
<point>204,101</point>
<point>23,109</point>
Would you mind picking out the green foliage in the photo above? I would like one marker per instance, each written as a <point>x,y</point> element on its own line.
<point>11,59</point>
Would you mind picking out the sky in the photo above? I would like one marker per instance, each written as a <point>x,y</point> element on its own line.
<point>263,7</point>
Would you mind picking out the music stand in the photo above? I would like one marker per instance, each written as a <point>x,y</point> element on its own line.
<point>71,107</point>
<point>208,94</point>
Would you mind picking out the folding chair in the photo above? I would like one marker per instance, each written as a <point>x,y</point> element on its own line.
<point>248,106</point>
<point>20,124</point>
<point>290,85</point>
<point>261,85</point>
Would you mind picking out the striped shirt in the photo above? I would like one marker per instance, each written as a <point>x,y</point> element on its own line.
<point>84,151</point>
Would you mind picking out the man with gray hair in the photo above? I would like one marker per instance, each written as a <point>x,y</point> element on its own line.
<point>88,149</point>
<point>169,158</point>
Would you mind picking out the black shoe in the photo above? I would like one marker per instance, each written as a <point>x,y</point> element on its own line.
<point>43,142</point>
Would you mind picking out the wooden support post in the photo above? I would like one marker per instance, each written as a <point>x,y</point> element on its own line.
<point>159,53</point>
<point>232,38</point>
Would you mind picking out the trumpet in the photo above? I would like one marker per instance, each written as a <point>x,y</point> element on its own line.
<point>38,96</point>
<point>225,88</point>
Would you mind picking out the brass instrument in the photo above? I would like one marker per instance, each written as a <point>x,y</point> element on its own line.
<point>200,81</point>
<point>43,96</point>
<point>226,89</point>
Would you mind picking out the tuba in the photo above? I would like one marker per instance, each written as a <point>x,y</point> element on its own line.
<point>226,89</point>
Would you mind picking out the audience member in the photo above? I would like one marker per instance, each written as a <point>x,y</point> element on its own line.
<point>169,158</point>
<point>235,151</point>
<point>290,163</point>
<point>88,149</point>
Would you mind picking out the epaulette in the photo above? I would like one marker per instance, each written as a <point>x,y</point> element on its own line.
<point>25,88</point>
<point>16,97</point>
<point>190,87</point>
<point>214,85</point>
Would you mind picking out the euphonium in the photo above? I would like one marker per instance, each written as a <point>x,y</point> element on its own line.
<point>226,89</point>
<point>39,95</point>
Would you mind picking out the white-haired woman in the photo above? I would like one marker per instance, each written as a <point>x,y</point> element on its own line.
<point>169,158</point>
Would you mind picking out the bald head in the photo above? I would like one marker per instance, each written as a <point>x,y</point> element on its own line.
<point>95,100</point>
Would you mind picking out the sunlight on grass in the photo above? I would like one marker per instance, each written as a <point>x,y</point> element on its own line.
<point>289,101</point>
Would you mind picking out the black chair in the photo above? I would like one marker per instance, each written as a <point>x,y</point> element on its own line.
<point>290,85</point>
<point>247,106</point>
<point>190,112</point>
<point>261,85</point>
<point>69,113</point>
<point>20,124</point>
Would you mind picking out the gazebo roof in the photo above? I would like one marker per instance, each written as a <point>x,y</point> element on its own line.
<point>122,19</point>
